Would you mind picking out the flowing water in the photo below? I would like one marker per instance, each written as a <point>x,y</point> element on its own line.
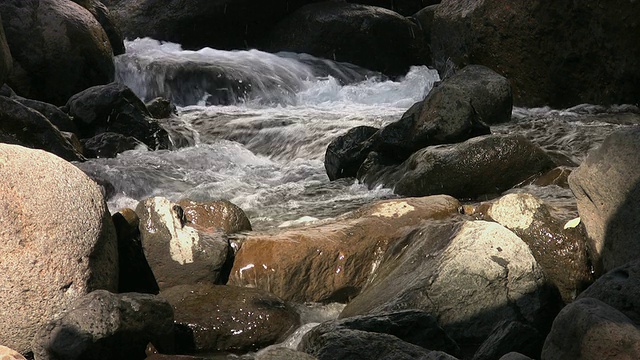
<point>253,127</point>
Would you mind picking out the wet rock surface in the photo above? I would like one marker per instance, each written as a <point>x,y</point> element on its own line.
<point>57,240</point>
<point>228,318</point>
<point>330,262</point>
<point>102,325</point>
<point>218,215</point>
<point>347,152</point>
<point>109,145</point>
<point>607,188</point>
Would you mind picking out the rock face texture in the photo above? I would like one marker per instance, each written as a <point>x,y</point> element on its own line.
<point>331,262</point>
<point>102,326</point>
<point>57,241</point>
<point>470,275</point>
<point>58,49</point>
<point>607,188</point>
<point>371,37</point>
<point>576,45</point>
<point>6,63</point>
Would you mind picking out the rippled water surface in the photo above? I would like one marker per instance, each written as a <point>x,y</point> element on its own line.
<point>261,142</point>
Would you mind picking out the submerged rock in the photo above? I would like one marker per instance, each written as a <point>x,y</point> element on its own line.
<point>102,326</point>
<point>590,329</point>
<point>24,126</point>
<point>371,37</point>
<point>177,252</point>
<point>470,275</point>
<point>58,49</point>
<point>115,108</point>
<point>332,261</point>
<point>228,318</point>
<point>57,241</point>
<point>607,188</point>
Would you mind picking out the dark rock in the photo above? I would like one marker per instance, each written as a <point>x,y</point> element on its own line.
<point>371,37</point>
<point>413,326</point>
<point>479,166</point>
<point>402,7</point>
<point>566,37</point>
<point>560,251</point>
<point>115,108</point>
<point>469,275</point>
<point>276,352</point>
<point>53,113</point>
<point>177,252</point>
<point>511,336</point>
<point>160,108</point>
<point>24,126</point>
<point>344,344</point>
<point>102,14</point>
<point>607,188</point>
<point>347,152</point>
<point>228,318</point>
<point>590,329</point>
<point>217,215</point>
<point>557,176</point>
<point>108,145</point>
<point>102,325</point>
<point>6,63</point>
<point>6,91</point>
<point>515,356</point>
<point>135,273</point>
<point>58,49</point>
<point>620,289</point>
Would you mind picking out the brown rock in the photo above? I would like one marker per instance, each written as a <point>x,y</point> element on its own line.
<point>228,318</point>
<point>57,241</point>
<point>330,261</point>
<point>8,354</point>
<point>215,215</point>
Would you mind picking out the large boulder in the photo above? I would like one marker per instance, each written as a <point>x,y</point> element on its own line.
<point>9,354</point>
<point>228,318</point>
<point>479,166</point>
<point>57,241</point>
<point>103,326</point>
<point>470,275</point>
<point>330,262</point>
<point>607,188</point>
<point>102,14</point>
<point>176,251</point>
<point>561,251</point>
<point>368,36</point>
<point>115,108</point>
<point>21,125</point>
<point>566,37</point>
<point>6,63</point>
<point>58,49</point>
<point>590,329</point>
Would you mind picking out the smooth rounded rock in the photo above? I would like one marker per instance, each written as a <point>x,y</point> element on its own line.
<point>218,215</point>
<point>8,354</point>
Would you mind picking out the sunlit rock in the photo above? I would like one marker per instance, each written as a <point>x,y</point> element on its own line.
<point>9,354</point>
<point>470,275</point>
<point>57,241</point>
<point>331,261</point>
<point>24,126</point>
<point>102,325</point>
<point>177,252</point>
<point>228,318</point>
<point>115,108</point>
<point>58,49</point>
<point>561,251</point>
<point>591,330</point>
<point>217,215</point>
<point>607,189</point>
<point>485,165</point>
<point>412,326</point>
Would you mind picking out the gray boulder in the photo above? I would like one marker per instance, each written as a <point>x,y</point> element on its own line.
<point>562,253</point>
<point>102,326</point>
<point>589,329</point>
<point>550,51</point>
<point>282,353</point>
<point>57,241</point>
<point>227,318</point>
<point>115,108</point>
<point>479,166</point>
<point>24,126</point>
<point>607,189</point>
<point>470,275</point>
<point>177,252</point>
<point>372,37</point>
<point>58,49</point>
